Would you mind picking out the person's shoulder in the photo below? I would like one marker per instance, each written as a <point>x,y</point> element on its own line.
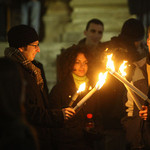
<point>82,41</point>
<point>37,64</point>
<point>104,44</point>
<point>141,62</point>
<point>66,80</point>
<point>115,41</point>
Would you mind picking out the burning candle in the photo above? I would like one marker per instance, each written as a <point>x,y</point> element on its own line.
<point>135,99</point>
<point>132,87</point>
<point>75,96</point>
<point>99,84</point>
<point>133,96</point>
<point>111,69</point>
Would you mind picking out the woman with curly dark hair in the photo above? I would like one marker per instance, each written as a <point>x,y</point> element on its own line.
<point>67,60</point>
<point>73,68</point>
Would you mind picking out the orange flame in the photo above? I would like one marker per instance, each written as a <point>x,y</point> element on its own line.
<point>90,88</point>
<point>110,63</point>
<point>81,87</point>
<point>102,78</point>
<point>122,68</point>
<point>106,49</point>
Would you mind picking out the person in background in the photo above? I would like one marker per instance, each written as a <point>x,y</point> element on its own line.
<point>136,122</point>
<point>142,11</point>
<point>23,46</point>
<point>128,41</point>
<point>73,67</point>
<point>93,33</point>
<point>15,132</point>
<point>3,23</point>
<point>30,13</point>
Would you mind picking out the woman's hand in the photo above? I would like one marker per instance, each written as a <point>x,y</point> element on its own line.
<point>68,113</point>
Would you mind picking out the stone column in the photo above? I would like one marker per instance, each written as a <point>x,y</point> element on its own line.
<point>55,20</point>
<point>112,13</point>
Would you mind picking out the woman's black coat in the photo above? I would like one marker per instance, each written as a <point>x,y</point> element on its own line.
<point>73,135</point>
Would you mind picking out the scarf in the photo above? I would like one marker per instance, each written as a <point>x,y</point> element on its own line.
<point>17,56</point>
<point>79,80</point>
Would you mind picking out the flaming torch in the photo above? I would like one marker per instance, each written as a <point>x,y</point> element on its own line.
<point>99,84</point>
<point>132,94</point>
<point>110,67</point>
<point>75,96</point>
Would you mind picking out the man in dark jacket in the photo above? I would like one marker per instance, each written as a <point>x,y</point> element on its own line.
<point>24,45</point>
<point>124,47</point>
<point>137,122</point>
<point>137,129</point>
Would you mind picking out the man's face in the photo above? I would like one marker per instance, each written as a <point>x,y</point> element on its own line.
<point>93,34</point>
<point>31,50</point>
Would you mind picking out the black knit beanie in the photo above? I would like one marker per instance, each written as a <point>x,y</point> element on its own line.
<point>133,29</point>
<point>21,35</point>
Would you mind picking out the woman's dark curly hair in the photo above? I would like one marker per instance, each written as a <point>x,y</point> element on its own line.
<point>67,59</point>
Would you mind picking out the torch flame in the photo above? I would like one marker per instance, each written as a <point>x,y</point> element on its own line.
<point>122,68</point>
<point>81,87</point>
<point>110,63</point>
<point>90,88</point>
<point>106,49</point>
<point>102,78</point>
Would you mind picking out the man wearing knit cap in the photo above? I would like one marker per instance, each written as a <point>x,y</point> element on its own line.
<point>124,47</point>
<point>136,121</point>
<point>24,45</point>
<point>128,41</point>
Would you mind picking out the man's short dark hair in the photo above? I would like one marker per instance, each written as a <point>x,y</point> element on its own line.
<point>96,21</point>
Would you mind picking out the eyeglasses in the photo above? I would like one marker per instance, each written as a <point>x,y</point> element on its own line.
<point>36,46</point>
